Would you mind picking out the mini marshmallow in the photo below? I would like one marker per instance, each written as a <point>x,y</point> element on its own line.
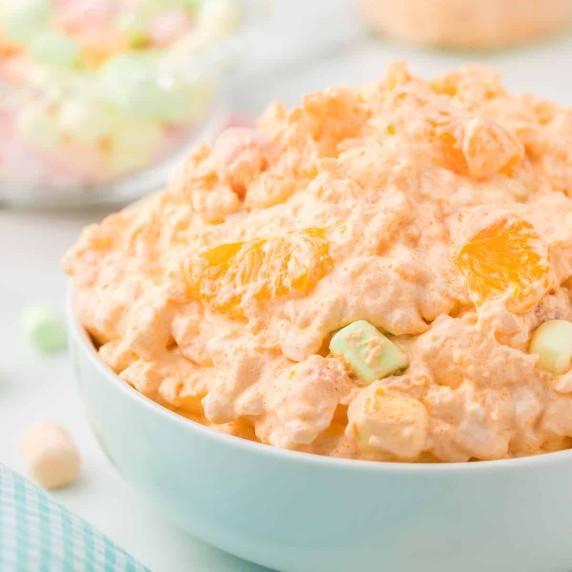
<point>84,121</point>
<point>552,343</point>
<point>54,49</point>
<point>380,422</point>
<point>367,352</point>
<point>44,328</point>
<point>37,127</point>
<point>25,18</point>
<point>51,457</point>
<point>134,25</point>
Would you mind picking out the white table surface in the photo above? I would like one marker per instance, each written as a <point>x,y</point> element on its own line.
<point>326,47</point>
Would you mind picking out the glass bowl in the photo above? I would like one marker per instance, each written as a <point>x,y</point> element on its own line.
<point>74,139</point>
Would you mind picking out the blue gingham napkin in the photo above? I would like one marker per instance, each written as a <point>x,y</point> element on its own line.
<point>38,534</point>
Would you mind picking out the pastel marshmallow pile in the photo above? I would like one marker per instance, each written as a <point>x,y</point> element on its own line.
<point>112,89</point>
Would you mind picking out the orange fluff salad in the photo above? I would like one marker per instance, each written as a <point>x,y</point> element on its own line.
<point>382,273</point>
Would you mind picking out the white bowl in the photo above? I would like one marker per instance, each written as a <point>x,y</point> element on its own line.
<point>299,512</point>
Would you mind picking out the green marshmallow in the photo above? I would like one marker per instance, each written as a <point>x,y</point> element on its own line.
<point>130,84</point>
<point>44,328</point>
<point>185,101</point>
<point>552,343</point>
<point>53,49</point>
<point>192,5</point>
<point>23,19</point>
<point>156,6</point>
<point>367,352</point>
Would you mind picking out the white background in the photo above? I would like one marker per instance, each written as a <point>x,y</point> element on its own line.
<point>306,45</point>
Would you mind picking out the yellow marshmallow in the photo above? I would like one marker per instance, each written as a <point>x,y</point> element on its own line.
<point>552,342</point>
<point>396,425</point>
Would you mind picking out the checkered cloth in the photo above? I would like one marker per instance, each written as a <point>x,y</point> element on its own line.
<point>38,534</point>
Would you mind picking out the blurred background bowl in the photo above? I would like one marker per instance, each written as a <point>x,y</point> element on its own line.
<point>72,139</point>
<point>466,24</point>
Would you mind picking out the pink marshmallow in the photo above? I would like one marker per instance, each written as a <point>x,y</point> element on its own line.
<point>84,13</point>
<point>169,26</point>
<point>239,154</point>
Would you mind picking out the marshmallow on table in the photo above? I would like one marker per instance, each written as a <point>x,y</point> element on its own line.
<point>51,457</point>
<point>44,328</point>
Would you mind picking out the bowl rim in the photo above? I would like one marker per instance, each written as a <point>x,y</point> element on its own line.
<point>81,337</point>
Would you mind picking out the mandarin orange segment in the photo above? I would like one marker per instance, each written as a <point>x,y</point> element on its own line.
<point>452,153</point>
<point>263,269</point>
<point>507,259</point>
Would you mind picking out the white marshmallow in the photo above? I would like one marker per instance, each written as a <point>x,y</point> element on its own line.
<point>51,456</point>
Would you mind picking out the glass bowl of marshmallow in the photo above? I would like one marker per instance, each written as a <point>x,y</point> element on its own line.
<point>101,99</point>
